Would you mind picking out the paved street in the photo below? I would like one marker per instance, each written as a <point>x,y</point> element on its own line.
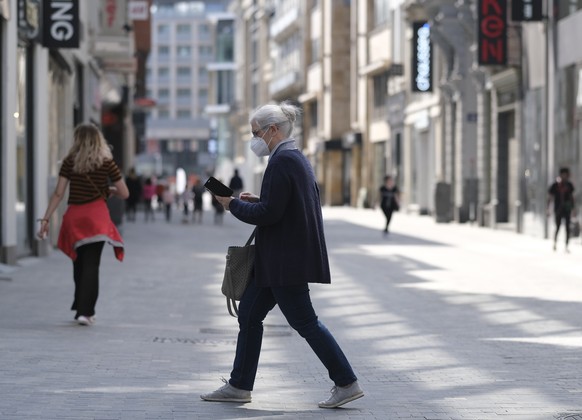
<point>439,321</point>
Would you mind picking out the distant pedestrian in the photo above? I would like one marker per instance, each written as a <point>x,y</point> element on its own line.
<point>86,225</point>
<point>198,191</point>
<point>561,192</point>
<point>236,184</point>
<point>186,197</point>
<point>290,253</point>
<point>148,193</point>
<point>135,191</point>
<point>160,187</point>
<point>390,200</point>
<point>168,200</point>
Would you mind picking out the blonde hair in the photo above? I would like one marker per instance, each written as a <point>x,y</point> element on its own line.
<point>89,149</point>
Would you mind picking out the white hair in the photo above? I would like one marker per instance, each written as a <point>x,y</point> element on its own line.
<point>282,115</point>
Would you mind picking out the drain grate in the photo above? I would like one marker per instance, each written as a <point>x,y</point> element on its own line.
<point>194,341</point>
<point>570,416</point>
<point>270,330</point>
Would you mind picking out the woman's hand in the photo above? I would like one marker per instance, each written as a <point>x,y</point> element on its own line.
<point>43,230</point>
<point>224,201</point>
<point>249,197</point>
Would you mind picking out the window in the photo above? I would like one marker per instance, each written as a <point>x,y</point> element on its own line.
<point>203,96</point>
<point>183,72</point>
<point>163,72</point>
<point>183,51</point>
<point>313,114</point>
<point>314,51</point>
<point>163,29</point>
<point>380,83</point>
<point>205,51</point>
<point>183,29</point>
<point>203,31</point>
<point>381,12</point>
<point>183,93</point>
<point>183,114</point>
<point>163,114</point>
<point>202,73</point>
<point>163,93</point>
<point>163,50</point>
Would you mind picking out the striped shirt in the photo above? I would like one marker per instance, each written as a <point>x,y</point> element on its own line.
<point>91,186</point>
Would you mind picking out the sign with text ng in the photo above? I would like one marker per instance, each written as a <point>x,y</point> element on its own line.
<point>60,24</point>
<point>492,32</point>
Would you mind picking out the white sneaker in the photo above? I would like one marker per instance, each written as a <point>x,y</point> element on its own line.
<point>228,393</point>
<point>83,320</point>
<point>341,395</point>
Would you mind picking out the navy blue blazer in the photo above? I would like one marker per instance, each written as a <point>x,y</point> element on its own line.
<point>290,243</point>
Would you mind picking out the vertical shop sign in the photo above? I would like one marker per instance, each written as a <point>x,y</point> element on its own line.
<point>60,24</point>
<point>492,32</point>
<point>421,57</point>
<point>526,10</point>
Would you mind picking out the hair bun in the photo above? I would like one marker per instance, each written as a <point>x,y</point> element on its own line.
<point>290,111</point>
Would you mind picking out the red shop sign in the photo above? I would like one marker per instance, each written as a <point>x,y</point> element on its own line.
<point>492,29</point>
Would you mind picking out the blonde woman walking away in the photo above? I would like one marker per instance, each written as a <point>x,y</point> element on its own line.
<point>86,226</point>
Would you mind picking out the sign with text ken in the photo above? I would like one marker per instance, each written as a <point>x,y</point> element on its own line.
<point>492,32</point>
<point>60,24</point>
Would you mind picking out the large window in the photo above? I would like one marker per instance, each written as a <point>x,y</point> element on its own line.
<point>183,93</point>
<point>380,86</point>
<point>163,72</point>
<point>381,12</point>
<point>163,50</point>
<point>183,29</point>
<point>183,114</point>
<point>163,29</point>
<point>183,51</point>
<point>183,72</point>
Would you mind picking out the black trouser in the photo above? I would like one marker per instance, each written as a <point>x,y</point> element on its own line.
<point>388,213</point>
<point>86,275</point>
<point>564,214</point>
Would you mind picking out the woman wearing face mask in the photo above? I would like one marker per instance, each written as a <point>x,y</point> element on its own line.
<point>290,254</point>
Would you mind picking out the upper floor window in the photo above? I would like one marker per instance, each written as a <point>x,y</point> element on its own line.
<point>183,51</point>
<point>163,29</point>
<point>163,50</point>
<point>183,93</point>
<point>183,71</point>
<point>163,72</point>
<point>381,12</point>
<point>203,31</point>
<point>205,51</point>
<point>183,29</point>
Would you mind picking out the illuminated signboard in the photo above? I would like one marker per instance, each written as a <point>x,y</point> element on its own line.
<point>492,32</point>
<point>421,57</point>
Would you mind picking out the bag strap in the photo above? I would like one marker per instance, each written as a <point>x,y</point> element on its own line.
<point>233,311</point>
<point>231,303</point>
<point>251,237</point>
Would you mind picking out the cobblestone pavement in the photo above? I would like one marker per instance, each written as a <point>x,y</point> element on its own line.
<point>439,321</point>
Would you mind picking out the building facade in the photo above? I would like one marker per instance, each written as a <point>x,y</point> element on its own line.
<point>57,71</point>
<point>178,133</point>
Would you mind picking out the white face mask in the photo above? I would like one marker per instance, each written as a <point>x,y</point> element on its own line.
<point>260,147</point>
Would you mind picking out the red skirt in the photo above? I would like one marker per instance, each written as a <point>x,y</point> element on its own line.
<point>88,223</point>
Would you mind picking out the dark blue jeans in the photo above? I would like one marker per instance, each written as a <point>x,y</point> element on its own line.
<point>295,304</point>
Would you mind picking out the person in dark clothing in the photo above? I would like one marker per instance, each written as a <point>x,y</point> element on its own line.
<point>236,184</point>
<point>561,192</point>
<point>135,190</point>
<point>290,253</point>
<point>390,200</point>
<point>198,191</point>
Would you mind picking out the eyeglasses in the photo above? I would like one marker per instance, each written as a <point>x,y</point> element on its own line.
<point>256,132</point>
